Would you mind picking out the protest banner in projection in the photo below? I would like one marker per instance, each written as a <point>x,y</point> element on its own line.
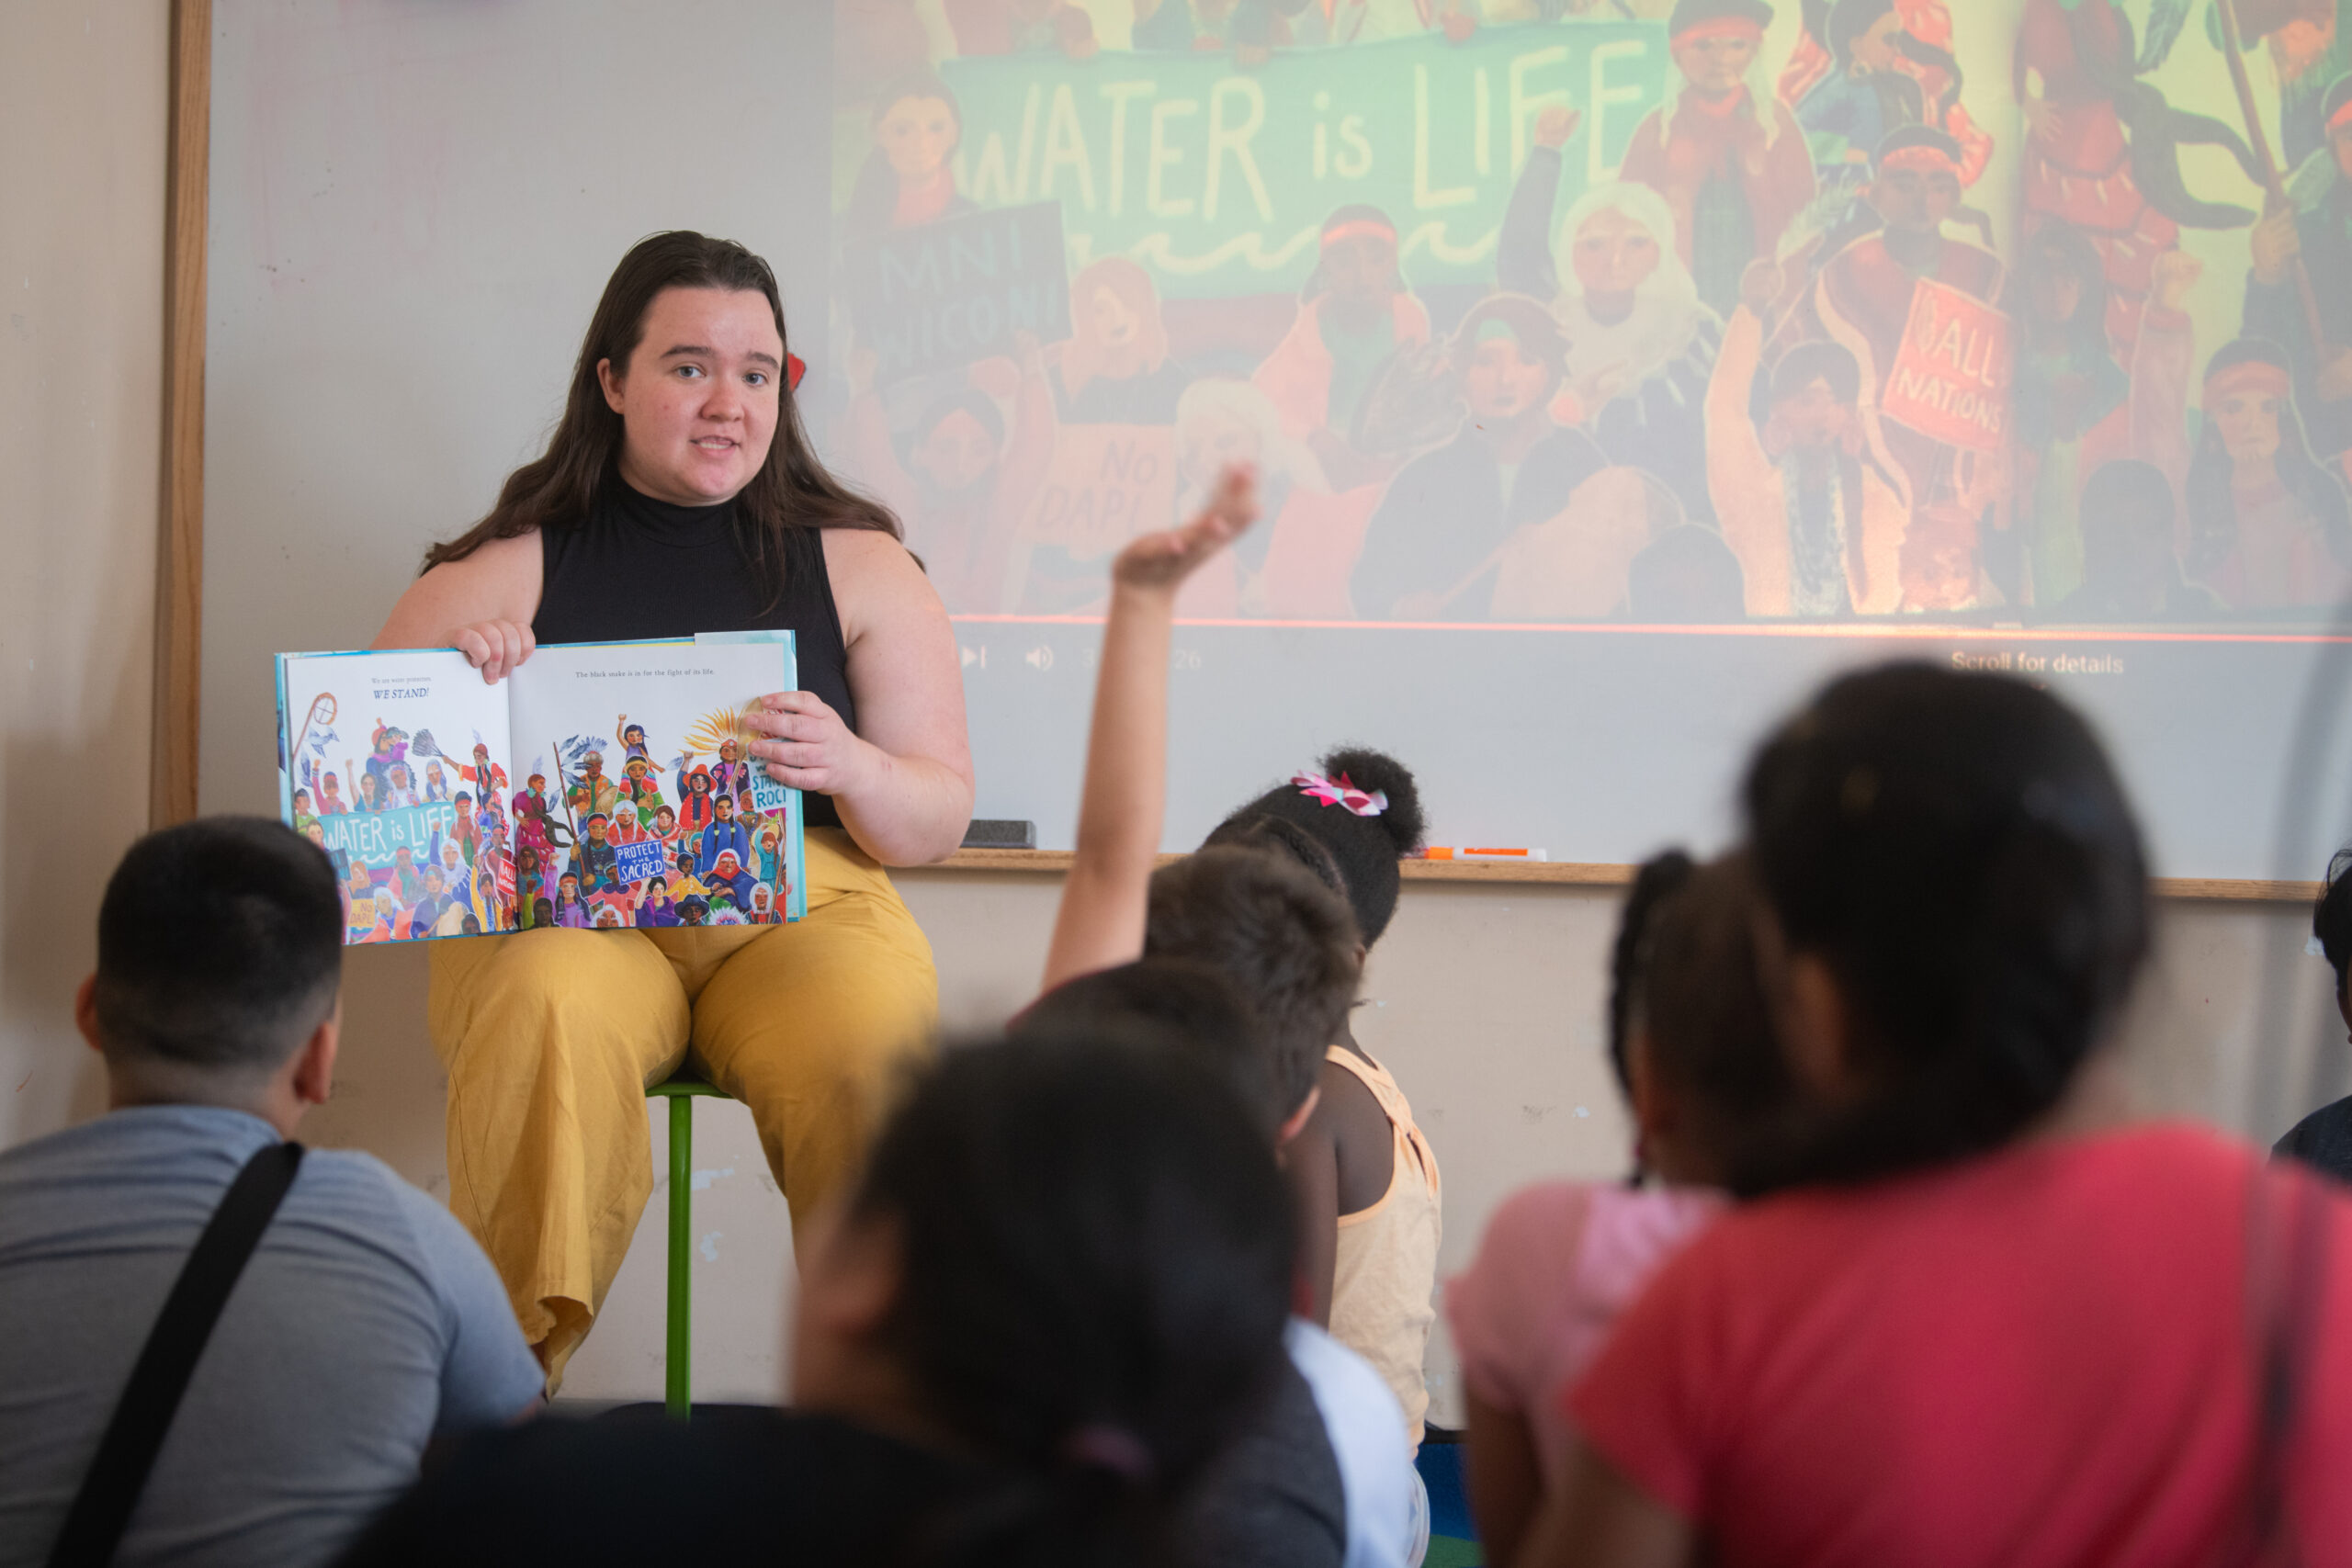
<point>1951,380</point>
<point>1107,483</point>
<point>1218,178</point>
<point>372,837</point>
<point>943,295</point>
<point>634,862</point>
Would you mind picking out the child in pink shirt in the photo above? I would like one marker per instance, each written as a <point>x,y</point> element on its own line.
<point>1954,1326</point>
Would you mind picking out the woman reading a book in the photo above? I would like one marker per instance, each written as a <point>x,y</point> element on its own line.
<point>679,495</point>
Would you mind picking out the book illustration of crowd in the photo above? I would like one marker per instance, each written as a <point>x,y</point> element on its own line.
<point>1658,311</point>
<point>426,845</point>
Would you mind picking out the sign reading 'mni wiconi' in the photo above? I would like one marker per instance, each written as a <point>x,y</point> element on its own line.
<point>942,295</point>
<point>1218,178</point>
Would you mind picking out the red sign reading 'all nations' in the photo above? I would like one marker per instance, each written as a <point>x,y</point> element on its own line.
<point>1952,379</point>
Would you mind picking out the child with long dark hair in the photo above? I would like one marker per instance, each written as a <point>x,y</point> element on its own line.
<point>1562,1262</point>
<point>1561,1259</point>
<point>1054,1295</point>
<point>1316,1480</point>
<point>1966,1320</point>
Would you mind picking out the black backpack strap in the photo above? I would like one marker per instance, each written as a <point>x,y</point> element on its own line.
<point>101,1510</point>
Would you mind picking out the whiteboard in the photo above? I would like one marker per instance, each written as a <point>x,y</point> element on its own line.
<point>414,207</point>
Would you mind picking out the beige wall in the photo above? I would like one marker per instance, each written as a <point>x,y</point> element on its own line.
<point>83,90</point>
<point>1486,1001</point>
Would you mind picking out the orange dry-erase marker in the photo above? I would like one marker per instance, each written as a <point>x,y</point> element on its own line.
<point>1486,854</point>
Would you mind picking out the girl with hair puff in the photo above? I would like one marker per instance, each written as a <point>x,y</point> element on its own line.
<point>1361,1174</point>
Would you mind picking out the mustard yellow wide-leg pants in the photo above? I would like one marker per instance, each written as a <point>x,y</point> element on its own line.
<point>551,1038</point>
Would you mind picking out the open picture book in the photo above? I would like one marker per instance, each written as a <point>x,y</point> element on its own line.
<point>598,785</point>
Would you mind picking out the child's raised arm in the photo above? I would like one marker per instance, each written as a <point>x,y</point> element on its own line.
<point>1102,916</point>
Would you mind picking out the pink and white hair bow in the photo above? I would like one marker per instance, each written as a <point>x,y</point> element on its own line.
<point>1341,792</point>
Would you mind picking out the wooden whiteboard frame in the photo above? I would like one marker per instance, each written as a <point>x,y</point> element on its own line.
<point>179,542</point>
<point>1574,873</point>
<point>179,565</point>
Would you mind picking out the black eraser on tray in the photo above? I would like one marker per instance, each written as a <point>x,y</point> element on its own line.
<point>1000,833</point>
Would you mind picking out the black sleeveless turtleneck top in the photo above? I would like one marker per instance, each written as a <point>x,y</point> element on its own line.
<point>637,567</point>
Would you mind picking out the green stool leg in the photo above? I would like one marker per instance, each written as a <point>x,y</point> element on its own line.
<point>679,1394</point>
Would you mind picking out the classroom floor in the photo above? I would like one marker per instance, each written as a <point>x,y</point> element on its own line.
<point>1453,1543</point>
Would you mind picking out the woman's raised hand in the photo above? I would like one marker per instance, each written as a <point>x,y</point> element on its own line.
<point>1165,560</point>
<point>494,648</point>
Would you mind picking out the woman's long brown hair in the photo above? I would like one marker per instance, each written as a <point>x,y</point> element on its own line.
<point>792,489</point>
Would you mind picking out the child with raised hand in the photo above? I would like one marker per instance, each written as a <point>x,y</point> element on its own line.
<point>1276,933</point>
<point>1561,1259</point>
<point>1390,1199</point>
<point>1100,920</point>
<point>1959,1325</point>
<point>1364,1176</point>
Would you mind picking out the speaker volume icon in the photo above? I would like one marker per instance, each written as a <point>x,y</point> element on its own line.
<point>1041,659</point>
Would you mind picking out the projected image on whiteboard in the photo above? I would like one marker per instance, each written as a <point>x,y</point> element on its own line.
<point>1616,370</point>
<point>1649,314</point>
